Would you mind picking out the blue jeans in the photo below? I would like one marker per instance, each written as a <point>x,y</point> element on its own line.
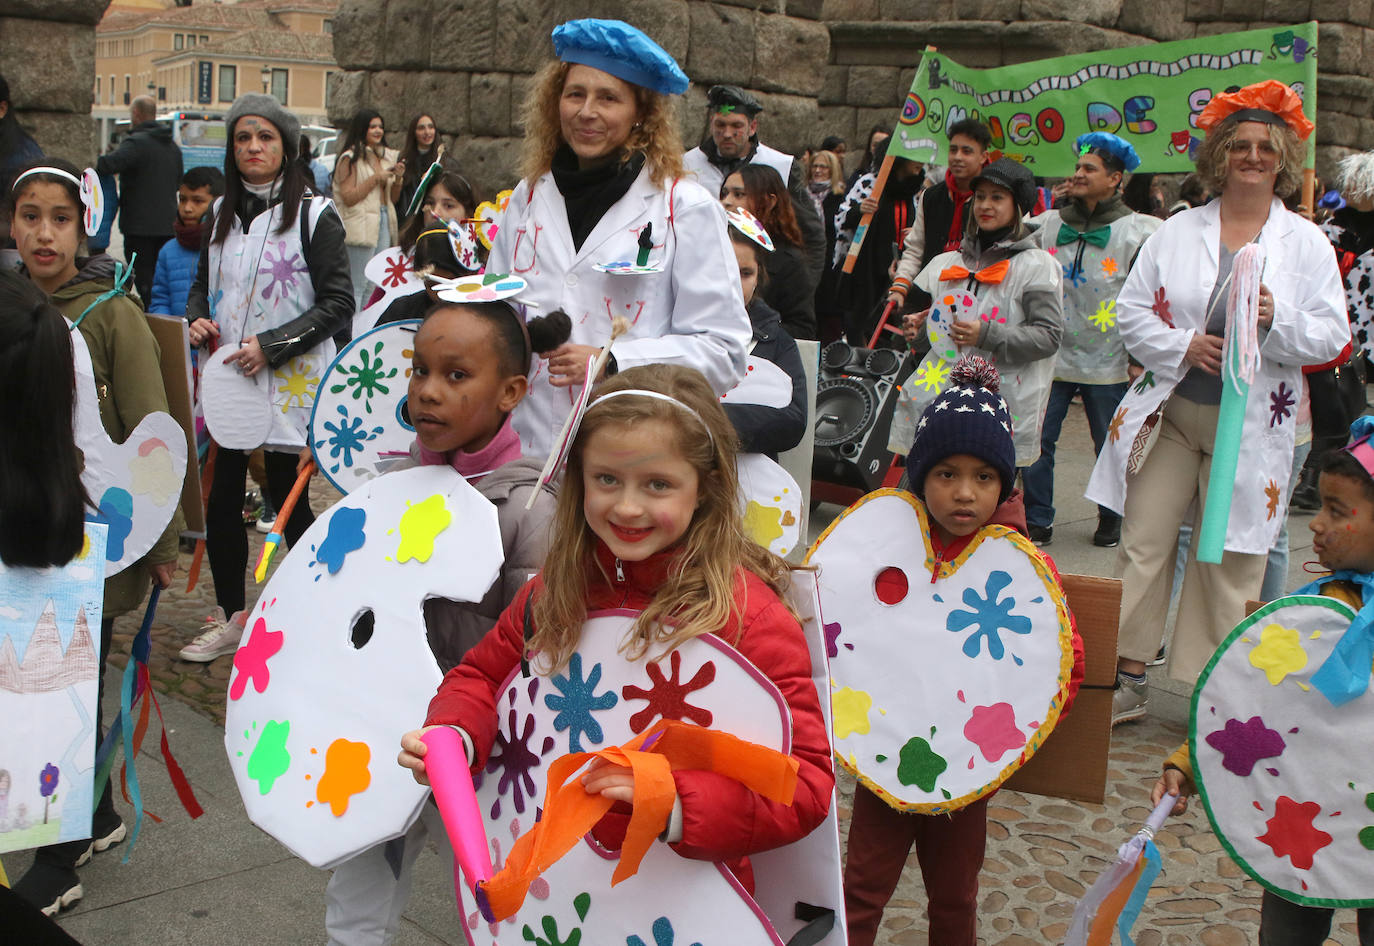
<point>1099,403</point>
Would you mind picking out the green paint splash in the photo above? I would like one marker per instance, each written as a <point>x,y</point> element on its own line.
<point>920,765</point>
<point>270,760</point>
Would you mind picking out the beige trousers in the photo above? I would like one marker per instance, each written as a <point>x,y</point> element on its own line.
<point>1158,497</point>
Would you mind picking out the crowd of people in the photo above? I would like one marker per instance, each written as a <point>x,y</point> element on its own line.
<point>1105,288</point>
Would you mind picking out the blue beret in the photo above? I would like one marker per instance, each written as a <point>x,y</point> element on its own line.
<point>1117,147</point>
<point>621,50</point>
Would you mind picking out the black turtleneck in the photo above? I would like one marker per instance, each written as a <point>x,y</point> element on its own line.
<point>990,238</point>
<point>589,193</point>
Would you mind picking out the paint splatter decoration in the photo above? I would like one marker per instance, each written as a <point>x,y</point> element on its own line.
<point>746,223</point>
<point>1286,777</point>
<point>764,384</point>
<point>462,236</point>
<point>940,689</point>
<point>135,485</point>
<point>487,217</point>
<point>334,662</point>
<point>92,201</point>
<point>391,271</point>
<point>628,268</point>
<point>770,502</point>
<point>361,425</point>
<point>485,287</point>
<point>600,699</point>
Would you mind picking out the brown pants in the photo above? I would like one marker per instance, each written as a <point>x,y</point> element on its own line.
<point>1213,597</point>
<point>949,849</point>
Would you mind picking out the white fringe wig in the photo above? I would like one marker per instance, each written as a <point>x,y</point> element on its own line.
<point>1355,177</point>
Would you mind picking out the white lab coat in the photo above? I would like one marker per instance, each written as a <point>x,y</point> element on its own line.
<point>1309,328</point>
<point>711,177</point>
<point>689,313</point>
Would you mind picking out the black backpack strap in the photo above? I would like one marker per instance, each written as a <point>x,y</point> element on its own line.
<point>529,633</point>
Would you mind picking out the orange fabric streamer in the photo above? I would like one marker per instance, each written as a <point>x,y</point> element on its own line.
<point>1104,924</point>
<point>988,275</point>
<point>570,812</point>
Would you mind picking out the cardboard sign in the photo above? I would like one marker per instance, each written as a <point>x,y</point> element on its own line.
<point>174,343</point>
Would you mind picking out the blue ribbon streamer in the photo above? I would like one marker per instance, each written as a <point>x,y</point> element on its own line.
<point>122,274</point>
<point>1344,675</point>
<point>1131,911</point>
<point>138,654</point>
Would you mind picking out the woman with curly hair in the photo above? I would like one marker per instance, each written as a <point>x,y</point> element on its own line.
<point>1172,313</point>
<point>604,225</point>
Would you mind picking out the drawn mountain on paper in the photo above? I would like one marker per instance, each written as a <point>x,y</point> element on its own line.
<point>46,667</point>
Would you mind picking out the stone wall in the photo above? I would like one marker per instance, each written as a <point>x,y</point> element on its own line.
<point>820,66</point>
<point>47,55</point>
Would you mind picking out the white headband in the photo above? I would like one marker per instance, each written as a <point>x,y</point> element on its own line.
<point>657,396</point>
<point>87,187</point>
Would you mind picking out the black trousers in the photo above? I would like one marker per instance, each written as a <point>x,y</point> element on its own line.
<point>145,265</point>
<point>226,542</point>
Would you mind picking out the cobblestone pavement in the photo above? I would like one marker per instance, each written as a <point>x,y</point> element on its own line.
<point>1041,855</point>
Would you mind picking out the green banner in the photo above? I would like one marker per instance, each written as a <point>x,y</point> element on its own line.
<point>1150,95</point>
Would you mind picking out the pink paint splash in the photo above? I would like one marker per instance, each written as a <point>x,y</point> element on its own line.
<point>250,660</point>
<point>993,730</point>
<point>149,445</point>
<point>1243,744</point>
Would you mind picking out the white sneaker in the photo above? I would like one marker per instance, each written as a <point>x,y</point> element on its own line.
<point>265,526</point>
<point>217,638</point>
<point>1130,700</point>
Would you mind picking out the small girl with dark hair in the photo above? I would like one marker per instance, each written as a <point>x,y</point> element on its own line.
<point>467,374</point>
<point>791,286</point>
<point>42,501</point>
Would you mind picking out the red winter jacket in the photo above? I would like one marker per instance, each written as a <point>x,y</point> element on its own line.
<point>722,820</point>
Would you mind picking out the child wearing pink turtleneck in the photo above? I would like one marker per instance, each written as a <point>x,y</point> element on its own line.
<point>467,374</point>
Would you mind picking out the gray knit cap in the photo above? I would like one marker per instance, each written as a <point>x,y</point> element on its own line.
<point>255,103</point>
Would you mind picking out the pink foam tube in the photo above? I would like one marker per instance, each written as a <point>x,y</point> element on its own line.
<point>447,768</point>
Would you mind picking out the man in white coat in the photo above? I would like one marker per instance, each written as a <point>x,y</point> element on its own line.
<point>733,122</point>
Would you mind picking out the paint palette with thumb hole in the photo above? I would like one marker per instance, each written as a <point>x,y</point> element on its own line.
<point>764,384</point>
<point>1286,776</point>
<point>134,485</point>
<point>940,690</point>
<point>334,663</point>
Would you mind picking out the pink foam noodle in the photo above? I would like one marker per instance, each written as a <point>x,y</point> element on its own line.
<point>447,767</point>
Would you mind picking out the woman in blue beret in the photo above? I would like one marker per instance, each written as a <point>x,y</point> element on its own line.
<point>604,225</point>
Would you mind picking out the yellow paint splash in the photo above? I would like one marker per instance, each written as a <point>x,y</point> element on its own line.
<point>296,385</point>
<point>345,774</point>
<point>851,711</point>
<point>762,523</point>
<point>1279,653</point>
<point>420,525</point>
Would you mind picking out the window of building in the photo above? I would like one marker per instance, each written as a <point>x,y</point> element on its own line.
<point>97,90</point>
<point>190,40</point>
<point>177,40</point>
<point>279,85</point>
<point>112,90</point>
<point>228,83</point>
<point>204,40</point>
<point>328,77</point>
<point>127,97</point>
<point>327,27</point>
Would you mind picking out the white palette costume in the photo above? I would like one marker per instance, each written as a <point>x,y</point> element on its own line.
<point>136,485</point>
<point>360,426</point>
<point>335,663</point>
<point>940,690</point>
<point>1287,778</point>
<point>599,700</point>
<point>770,499</point>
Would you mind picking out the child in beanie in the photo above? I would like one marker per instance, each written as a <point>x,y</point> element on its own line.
<point>962,467</point>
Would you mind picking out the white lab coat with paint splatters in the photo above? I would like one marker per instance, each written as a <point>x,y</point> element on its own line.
<point>1309,328</point>
<point>691,313</point>
<point>1092,352</point>
<point>1023,320</point>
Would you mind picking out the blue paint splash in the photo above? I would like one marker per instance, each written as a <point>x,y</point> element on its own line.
<point>579,698</point>
<point>117,509</point>
<point>991,614</point>
<point>345,536</point>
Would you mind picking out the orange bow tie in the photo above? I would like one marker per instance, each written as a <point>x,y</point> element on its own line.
<point>990,275</point>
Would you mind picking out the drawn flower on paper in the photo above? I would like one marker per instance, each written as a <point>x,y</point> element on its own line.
<point>932,374</point>
<point>1161,308</point>
<point>397,271</point>
<point>1280,404</point>
<point>1114,428</point>
<point>579,698</point>
<point>1147,381</point>
<point>1109,267</point>
<point>47,780</point>
<point>1105,316</point>
<point>345,438</point>
<point>1272,491</point>
<point>367,378</point>
<point>281,271</point>
<point>990,614</point>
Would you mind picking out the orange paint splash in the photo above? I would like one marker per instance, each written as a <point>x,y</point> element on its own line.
<point>345,774</point>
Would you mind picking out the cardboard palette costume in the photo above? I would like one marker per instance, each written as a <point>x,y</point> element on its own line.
<point>314,764</point>
<point>935,732</point>
<point>1272,759</point>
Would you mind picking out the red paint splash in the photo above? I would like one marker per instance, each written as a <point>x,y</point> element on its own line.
<point>1292,834</point>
